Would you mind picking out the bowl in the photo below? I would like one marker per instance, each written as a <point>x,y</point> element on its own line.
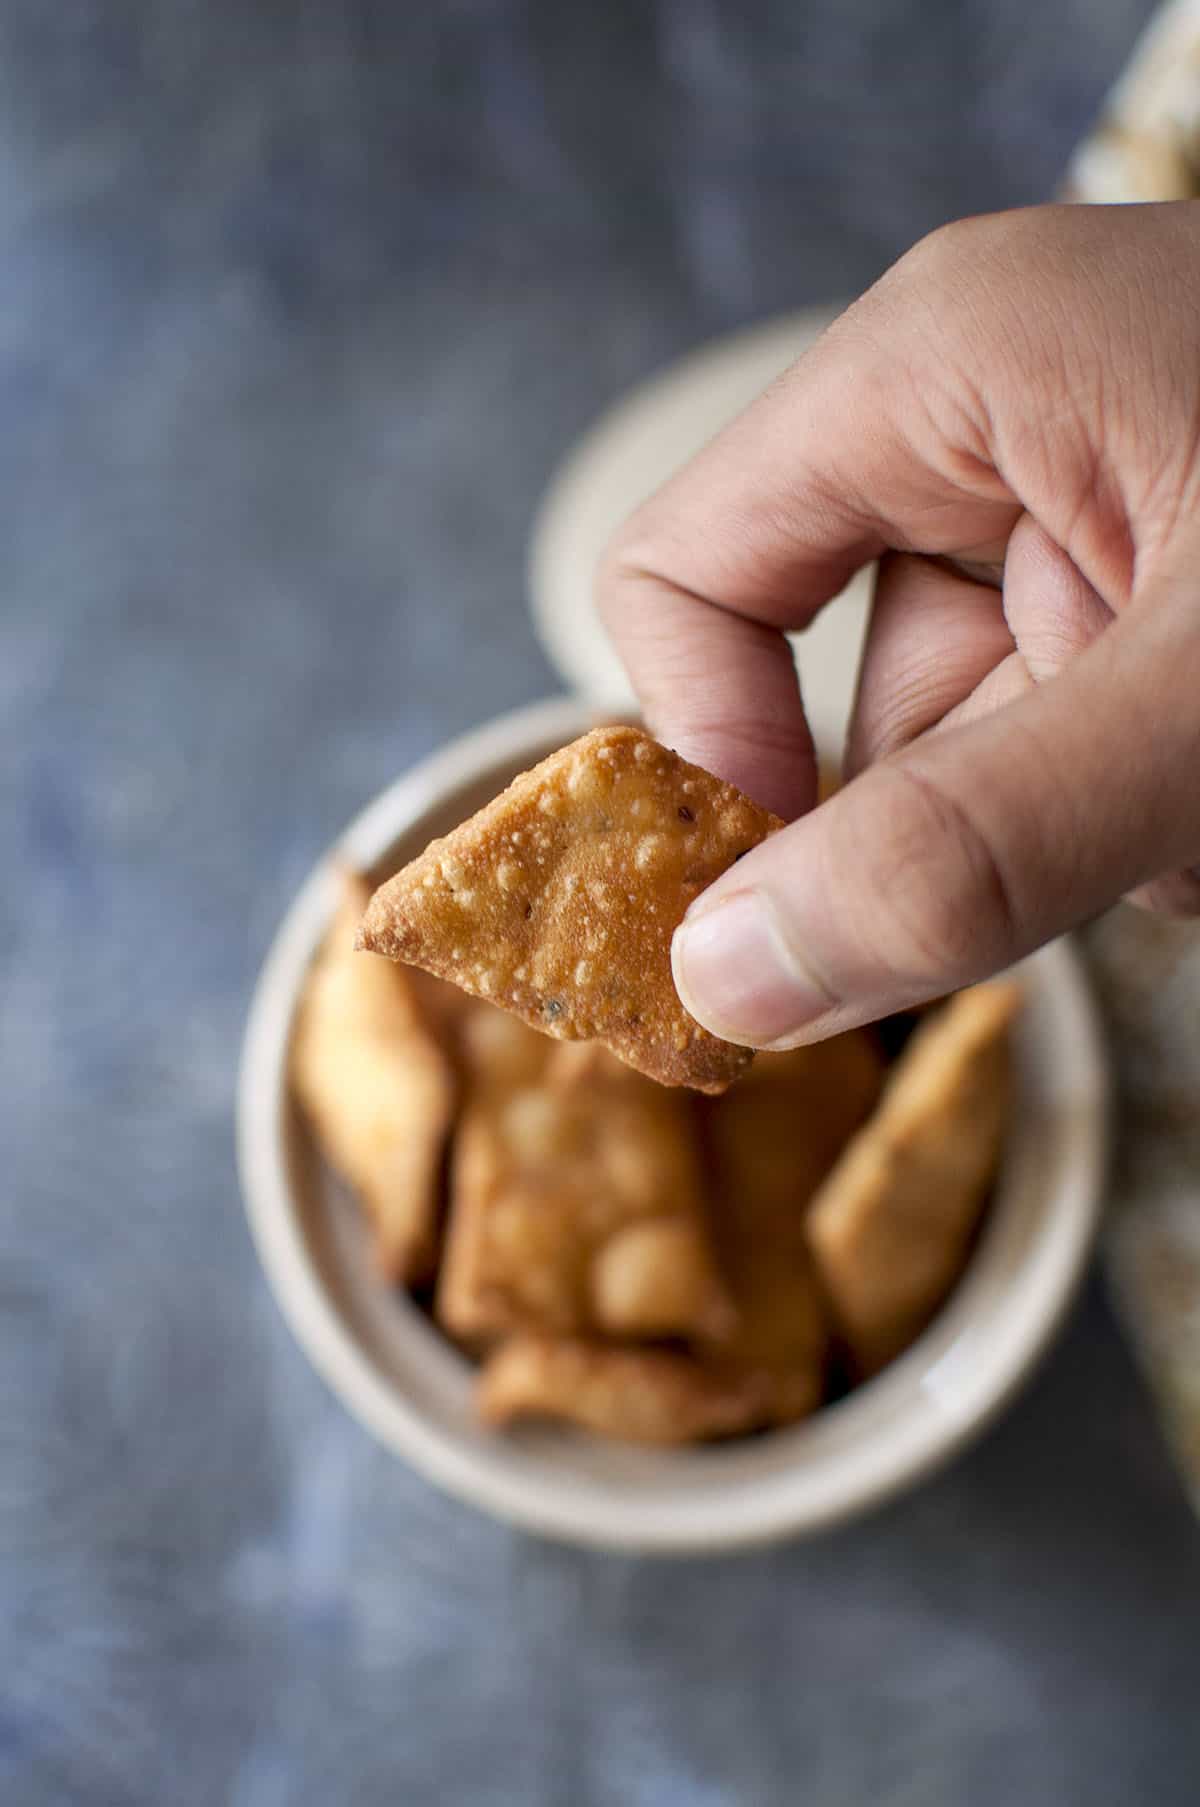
<point>411,1388</point>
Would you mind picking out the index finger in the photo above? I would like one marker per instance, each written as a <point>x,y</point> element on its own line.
<point>839,459</point>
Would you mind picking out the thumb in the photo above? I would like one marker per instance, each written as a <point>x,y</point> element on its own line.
<point>942,864</point>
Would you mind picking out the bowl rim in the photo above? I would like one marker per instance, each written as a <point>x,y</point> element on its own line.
<point>905,1450</point>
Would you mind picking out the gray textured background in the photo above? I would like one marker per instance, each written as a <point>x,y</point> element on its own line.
<point>299,304</point>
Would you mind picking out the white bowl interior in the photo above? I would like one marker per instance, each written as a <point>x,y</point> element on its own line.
<point>394,1370</point>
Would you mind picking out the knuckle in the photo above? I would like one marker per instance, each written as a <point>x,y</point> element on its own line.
<point>958,245</point>
<point>616,576</point>
<point>890,716</point>
<point>874,734</point>
<point>932,900</point>
<point>633,580</point>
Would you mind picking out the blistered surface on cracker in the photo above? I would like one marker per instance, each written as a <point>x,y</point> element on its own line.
<point>639,1395</point>
<point>558,901</point>
<point>772,1138</point>
<point>576,1204</point>
<point>890,1226</point>
<point>377,1089</point>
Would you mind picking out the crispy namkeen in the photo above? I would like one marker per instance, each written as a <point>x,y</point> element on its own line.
<point>639,1395</point>
<point>772,1139</point>
<point>776,1134</point>
<point>580,1227</point>
<point>497,1050</point>
<point>558,901</point>
<point>889,1228</point>
<point>549,1179</point>
<point>377,1088</point>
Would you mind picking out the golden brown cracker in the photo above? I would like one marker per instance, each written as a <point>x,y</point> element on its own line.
<point>650,1396</point>
<point>547,1180</point>
<point>559,900</point>
<point>890,1226</point>
<point>377,1089</point>
<point>772,1138</point>
<point>776,1134</point>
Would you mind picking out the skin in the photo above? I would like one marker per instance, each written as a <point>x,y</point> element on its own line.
<point>1010,422</point>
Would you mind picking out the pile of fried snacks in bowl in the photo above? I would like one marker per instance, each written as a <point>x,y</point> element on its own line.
<point>630,1225</point>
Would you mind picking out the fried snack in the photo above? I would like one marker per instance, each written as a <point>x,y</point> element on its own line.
<point>772,1139</point>
<point>889,1228</point>
<point>639,1395</point>
<point>497,1051</point>
<point>558,901</point>
<point>486,1046</point>
<point>442,1008</point>
<point>377,1089</point>
<point>576,1205</point>
<point>779,1131</point>
<point>655,1278</point>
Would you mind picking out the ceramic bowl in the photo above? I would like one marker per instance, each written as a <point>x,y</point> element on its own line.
<point>409,1386</point>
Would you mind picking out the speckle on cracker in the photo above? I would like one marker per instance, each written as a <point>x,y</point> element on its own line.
<point>566,890</point>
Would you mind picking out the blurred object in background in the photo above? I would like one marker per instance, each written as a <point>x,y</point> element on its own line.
<point>1147,974</point>
<point>1147,145</point>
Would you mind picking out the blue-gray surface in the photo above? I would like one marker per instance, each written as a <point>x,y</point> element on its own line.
<point>299,305</point>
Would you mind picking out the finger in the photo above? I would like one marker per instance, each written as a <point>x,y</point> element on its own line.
<point>1175,894</point>
<point>983,351</point>
<point>1004,684</point>
<point>697,664</point>
<point>933,637</point>
<point>939,647</point>
<point>1052,611</point>
<point>770,521</point>
<point>1055,614</point>
<point>946,862</point>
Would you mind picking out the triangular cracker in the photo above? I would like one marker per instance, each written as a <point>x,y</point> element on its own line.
<point>558,901</point>
<point>377,1089</point>
<point>890,1226</point>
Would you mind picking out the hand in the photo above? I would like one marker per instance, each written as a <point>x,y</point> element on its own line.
<point>1010,421</point>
